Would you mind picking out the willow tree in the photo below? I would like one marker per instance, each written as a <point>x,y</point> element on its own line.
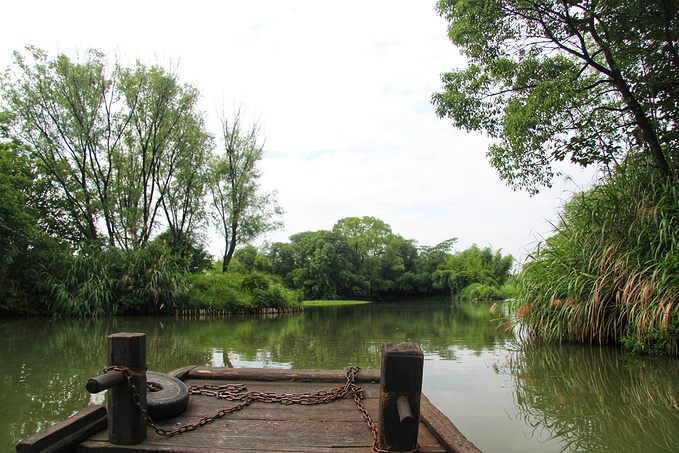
<point>592,81</point>
<point>241,210</point>
<point>110,138</point>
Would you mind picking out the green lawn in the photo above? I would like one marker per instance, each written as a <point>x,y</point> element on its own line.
<point>318,303</point>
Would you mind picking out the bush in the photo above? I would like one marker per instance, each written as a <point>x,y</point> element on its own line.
<point>215,292</point>
<point>610,272</point>
<point>101,282</point>
<point>235,292</point>
<point>275,296</point>
<point>479,291</point>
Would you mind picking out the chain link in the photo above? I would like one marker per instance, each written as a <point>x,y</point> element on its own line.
<point>237,392</point>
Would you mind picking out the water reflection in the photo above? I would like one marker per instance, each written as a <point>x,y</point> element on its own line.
<point>504,396</point>
<point>597,398</point>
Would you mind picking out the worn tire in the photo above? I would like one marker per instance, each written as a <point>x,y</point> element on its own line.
<point>172,398</point>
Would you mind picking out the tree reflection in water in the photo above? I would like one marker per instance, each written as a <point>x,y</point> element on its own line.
<point>597,398</point>
<point>585,398</point>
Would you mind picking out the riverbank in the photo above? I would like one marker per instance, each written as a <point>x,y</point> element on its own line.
<point>328,303</point>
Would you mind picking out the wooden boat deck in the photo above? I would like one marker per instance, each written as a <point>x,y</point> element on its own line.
<point>337,427</point>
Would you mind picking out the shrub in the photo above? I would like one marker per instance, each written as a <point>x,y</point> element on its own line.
<point>479,291</point>
<point>610,272</point>
<point>101,282</point>
<point>235,292</point>
<point>275,296</point>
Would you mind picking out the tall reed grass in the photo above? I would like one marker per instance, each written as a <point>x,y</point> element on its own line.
<point>103,282</point>
<point>610,272</point>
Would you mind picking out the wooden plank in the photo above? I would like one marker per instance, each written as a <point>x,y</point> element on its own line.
<point>263,436</point>
<point>182,373</point>
<point>444,430</point>
<point>343,409</point>
<point>337,427</point>
<point>65,435</point>
<point>262,411</point>
<point>251,435</point>
<point>275,374</point>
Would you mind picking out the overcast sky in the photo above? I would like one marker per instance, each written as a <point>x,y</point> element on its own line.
<point>343,92</point>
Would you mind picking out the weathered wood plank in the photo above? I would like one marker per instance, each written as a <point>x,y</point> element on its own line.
<point>264,436</point>
<point>444,430</point>
<point>262,411</point>
<point>252,435</point>
<point>65,435</point>
<point>269,427</point>
<point>336,427</point>
<point>275,374</point>
<point>182,373</point>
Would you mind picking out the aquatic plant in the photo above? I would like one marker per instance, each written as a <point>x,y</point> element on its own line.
<point>610,272</point>
<point>102,282</point>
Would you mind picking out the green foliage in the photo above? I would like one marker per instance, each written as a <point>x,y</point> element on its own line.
<point>367,236</point>
<point>186,251</point>
<point>237,292</point>
<point>593,82</point>
<point>362,258</point>
<point>474,265</point>
<point>610,272</point>
<point>327,267</point>
<point>479,291</point>
<point>102,282</point>
<point>30,226</point>
<point>275,296</point>
<point>242,212</point>
<point>325,303</point>
<point>215,292</point>
<point>255,280</point>
<point>115,143</point>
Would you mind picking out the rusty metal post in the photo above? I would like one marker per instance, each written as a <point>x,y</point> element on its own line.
<point>125,423</point>
<point>400,391</point>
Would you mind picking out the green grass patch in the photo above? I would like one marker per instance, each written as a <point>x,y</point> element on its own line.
<point>323,303</point>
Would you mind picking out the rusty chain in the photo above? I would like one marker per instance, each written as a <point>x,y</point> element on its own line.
<point>237,392</point>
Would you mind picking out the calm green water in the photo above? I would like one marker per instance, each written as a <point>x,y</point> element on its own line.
<point>504,395</point>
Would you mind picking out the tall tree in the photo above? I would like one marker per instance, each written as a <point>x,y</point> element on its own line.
<point>65,110</point>
<point>325,266</point>
<point>594,81</point>
<point>186,188</point>
<point>242,211</point>
<point>31,225</point>
<point>367,236</point>
<point>109,137</point>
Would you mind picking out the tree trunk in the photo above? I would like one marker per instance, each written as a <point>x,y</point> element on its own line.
<point>230,249</point>
<point>648,133</point>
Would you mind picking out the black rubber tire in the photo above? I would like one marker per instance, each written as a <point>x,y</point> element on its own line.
<point>170,401</point>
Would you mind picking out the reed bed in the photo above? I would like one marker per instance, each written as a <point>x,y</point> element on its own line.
<point>610,272</point>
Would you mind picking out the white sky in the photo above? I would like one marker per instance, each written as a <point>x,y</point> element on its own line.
<point>343,92</point>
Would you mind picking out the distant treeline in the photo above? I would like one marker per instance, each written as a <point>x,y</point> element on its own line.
<point>361,258</point>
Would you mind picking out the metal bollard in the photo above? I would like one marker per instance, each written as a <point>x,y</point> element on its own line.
<point>125,423</point>
<point>400,394</point>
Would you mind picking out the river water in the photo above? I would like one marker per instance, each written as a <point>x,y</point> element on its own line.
<point>505,395</point>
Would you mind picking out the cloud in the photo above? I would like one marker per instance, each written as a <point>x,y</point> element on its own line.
<point>343,91</point>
